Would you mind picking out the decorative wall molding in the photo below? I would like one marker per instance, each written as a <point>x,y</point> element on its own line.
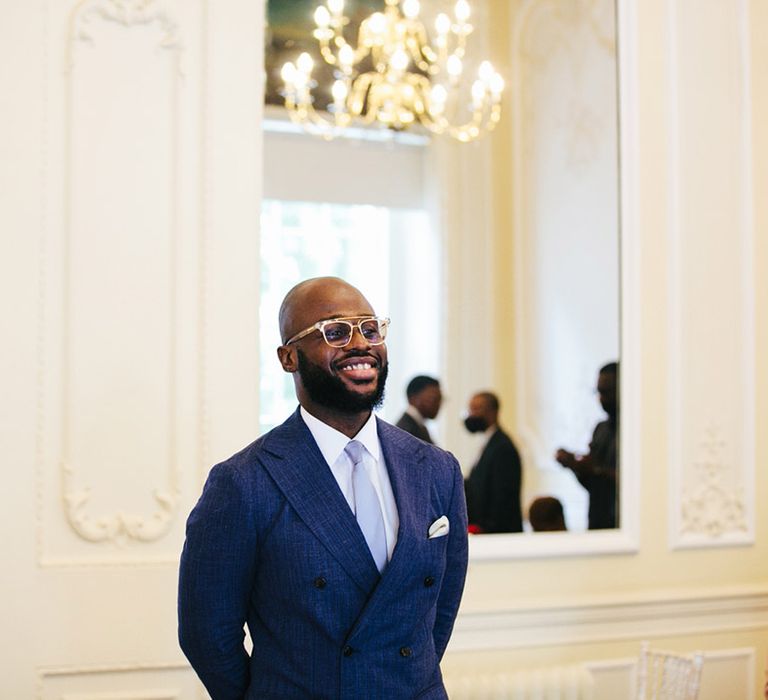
<point>607,620</point>
<point>711,321</point>
<point>559,28</point>
<point>64,480</point>
<point>729,673</point>
<point>131,695</point>
<point>118,527</point>
<point>128,13</point>
<point>76,497</point>
<point>712,507</point>
<point>724,669</point>
<point>70,674</point>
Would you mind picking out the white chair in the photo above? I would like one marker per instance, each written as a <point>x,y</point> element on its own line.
<point>664,675</point>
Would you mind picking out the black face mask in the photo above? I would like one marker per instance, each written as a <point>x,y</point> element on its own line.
<point>475,424</point>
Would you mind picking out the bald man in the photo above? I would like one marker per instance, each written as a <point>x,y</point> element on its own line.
<point>337,539</point>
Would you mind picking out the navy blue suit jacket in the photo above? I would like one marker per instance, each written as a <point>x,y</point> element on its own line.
<point>273,543</point>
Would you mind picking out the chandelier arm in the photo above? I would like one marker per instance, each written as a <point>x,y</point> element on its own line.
<point>484,117</point>
<point>436,126</point>
<point>470,130</point>
<point>324,127</point>
<point>303,113</point>
<point>327,53</point>
<point>425,50</point>
<point>365,89</point>
<point>361,52</point>
<point>360,89</point>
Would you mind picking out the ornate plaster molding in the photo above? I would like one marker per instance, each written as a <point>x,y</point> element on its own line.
<point>128,13</point>
<point>122,526</point>
<point>713,506</point>
<point>118,527</point>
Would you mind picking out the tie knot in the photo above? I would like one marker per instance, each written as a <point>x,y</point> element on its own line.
<point>354,450</point>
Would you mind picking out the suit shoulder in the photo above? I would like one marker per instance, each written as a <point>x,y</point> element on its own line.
<point>403,421</point>
<point>504,439</point>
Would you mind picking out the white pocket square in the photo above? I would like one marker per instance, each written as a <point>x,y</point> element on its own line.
<point>439,528</point>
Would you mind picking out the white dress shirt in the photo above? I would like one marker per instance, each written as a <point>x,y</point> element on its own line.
<point>484,439</point>
<point>332,443</point>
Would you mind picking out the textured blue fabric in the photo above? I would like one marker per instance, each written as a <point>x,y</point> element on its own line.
<point>367,507</point>
<point>273,544</point>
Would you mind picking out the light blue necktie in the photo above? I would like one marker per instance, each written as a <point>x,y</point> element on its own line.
<point>367,507</point>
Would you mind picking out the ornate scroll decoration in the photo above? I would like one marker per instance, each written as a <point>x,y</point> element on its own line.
<point>119,527</point>
<point>712,508</point>
<point>128,13</point>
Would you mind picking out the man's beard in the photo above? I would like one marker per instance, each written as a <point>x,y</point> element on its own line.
<point>329,390</point>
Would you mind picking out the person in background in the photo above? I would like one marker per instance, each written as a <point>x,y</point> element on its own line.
<point>545,514</point>
<point>597,471</point>
<point>493,484</point>
<point>424,399</point>
<point>339,540</point>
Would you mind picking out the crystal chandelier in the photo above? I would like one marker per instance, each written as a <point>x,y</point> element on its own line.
<point>395,77</point>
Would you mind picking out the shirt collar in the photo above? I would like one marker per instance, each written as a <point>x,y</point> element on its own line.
<point>413,412</point>
<point>332,443</point>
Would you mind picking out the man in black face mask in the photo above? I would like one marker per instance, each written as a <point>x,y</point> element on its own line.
<point>493,485</point>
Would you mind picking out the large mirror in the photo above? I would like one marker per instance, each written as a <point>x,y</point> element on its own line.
<point>568,284</point>
<point>561,115</point>
<point>565,150</point>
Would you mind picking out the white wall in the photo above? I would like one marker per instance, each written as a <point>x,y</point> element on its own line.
<point>130,180</point>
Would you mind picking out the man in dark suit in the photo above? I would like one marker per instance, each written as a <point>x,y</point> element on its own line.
<point>493,485</point>
<point>424,399</point>
<point>597,471</point>
<point>339,540</point>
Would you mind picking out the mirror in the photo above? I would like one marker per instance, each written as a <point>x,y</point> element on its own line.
<point>566,222</point>
<point>571,284</point>
<point>562,113</point>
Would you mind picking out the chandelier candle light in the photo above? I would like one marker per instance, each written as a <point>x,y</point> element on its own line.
<point>410,79</point>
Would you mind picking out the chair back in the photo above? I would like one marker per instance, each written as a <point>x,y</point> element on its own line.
<point>664,675</point>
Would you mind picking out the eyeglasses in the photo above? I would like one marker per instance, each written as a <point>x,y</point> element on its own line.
<point>337,332</point>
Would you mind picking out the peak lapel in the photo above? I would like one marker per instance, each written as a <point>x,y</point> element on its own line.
<point>298,468</point>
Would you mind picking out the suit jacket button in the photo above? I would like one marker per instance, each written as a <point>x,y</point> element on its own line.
<point>429,581</point>
<point>347,650</point>
<point>319,582</point>
<point>406,651</point>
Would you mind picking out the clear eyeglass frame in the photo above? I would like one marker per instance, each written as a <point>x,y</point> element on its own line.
<point>323,326</point>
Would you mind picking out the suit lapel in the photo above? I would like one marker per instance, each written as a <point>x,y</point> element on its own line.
<point>298,468</point>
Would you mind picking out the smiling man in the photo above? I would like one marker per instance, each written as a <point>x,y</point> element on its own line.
<point>339,540</point>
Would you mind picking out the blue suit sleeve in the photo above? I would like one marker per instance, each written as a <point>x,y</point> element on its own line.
<point>456,564</point>
<point>215,578</point>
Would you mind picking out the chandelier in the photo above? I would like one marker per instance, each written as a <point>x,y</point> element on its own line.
<point>394,77</point>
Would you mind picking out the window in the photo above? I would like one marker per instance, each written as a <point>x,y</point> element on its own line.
<point>355,208</point>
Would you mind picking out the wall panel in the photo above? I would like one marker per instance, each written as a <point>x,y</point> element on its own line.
<point>712,364</point>
<point>119,357</point>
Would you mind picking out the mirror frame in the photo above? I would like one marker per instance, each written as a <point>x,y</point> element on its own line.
<point>624,539</point>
